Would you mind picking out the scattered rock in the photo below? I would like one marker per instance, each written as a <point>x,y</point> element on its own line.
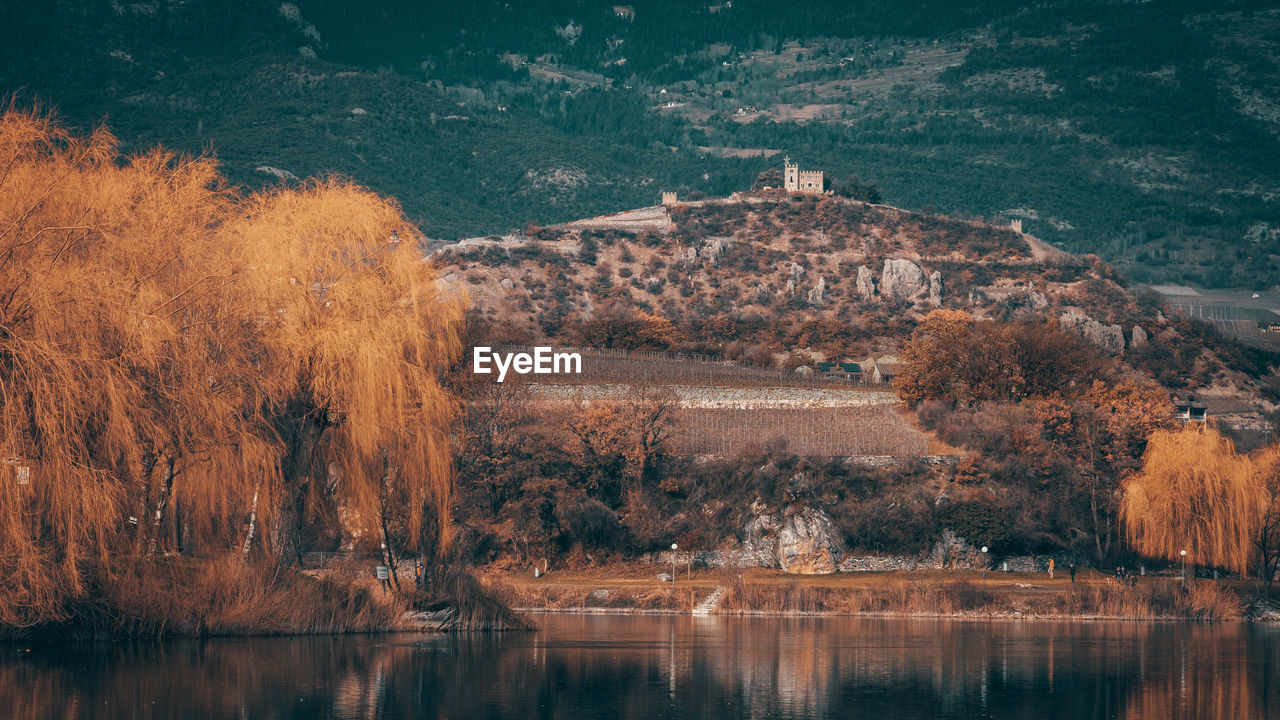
<point>903,279</point>
<point>281,174</point>
<point>866,283</point>
<point>808,543</point>
<point>1034,299</point>
<point>359,111</point>
<point>935,289</point>
<point>506,283</point>
<point>818,293</point>
<point>795,271</point>
<point>600,594</point>
<point>664,577</point>
<point>715,249</point>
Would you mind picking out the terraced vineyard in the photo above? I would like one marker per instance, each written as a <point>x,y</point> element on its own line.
<point>832,432</point>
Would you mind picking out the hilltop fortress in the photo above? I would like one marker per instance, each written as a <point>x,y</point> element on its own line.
<point>803,181</point>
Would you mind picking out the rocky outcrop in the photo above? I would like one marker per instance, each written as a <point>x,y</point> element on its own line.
<point>808,543</point>
<point>935,289</point>
<point>795,271</point>
<point>952,551</point>
<point>1137,337</point>
<point>818,293</point>
<point>715,249</point>
<point>902,279</point>
<point>866,283</point>
<point>1107,337</point>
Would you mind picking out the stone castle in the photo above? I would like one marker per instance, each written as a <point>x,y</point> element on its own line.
<point>803,181</point>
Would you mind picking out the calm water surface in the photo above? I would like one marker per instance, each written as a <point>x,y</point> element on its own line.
<point>619,667</point>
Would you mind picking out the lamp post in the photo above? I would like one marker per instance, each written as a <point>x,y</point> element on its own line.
<point>984,564</point>
<point>674,547</point>
<point>1183,553</point>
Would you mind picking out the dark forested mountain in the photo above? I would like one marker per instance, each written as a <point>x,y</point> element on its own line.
<point>1146,132</point>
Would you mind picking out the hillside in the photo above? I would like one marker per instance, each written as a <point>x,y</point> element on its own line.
<point>1143,132</point>
<point>759,275</point>
<point>1036,378</point>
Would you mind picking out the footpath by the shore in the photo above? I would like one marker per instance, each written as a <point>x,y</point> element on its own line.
<point>924,593</point>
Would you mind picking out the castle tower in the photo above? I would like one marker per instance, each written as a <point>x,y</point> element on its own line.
<point>790,175</point>
<point>1016,225</point>
<point>668,198</point>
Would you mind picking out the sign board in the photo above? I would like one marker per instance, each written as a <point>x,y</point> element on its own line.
<point>24,475</point>
<point>382,572</point>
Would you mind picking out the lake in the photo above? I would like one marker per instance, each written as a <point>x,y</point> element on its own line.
<point>618,667</point>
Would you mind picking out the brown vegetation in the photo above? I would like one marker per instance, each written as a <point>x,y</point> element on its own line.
<point>188,369</point>
<point>1195,496</point>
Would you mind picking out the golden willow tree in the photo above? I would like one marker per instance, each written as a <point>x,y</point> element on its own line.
<point>1195,493</point>
<point>171,345</point>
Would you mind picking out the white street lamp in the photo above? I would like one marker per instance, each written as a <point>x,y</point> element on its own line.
<point>674,547</point>
<point>1183,553</point>
<point>984,564</point>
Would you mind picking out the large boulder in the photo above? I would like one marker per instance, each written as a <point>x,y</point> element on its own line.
<point>902,279</point>
<point>935,289</point>
<point>808,543</point>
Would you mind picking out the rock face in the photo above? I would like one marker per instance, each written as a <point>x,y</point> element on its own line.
<point>759,534</point>
<point>902,279</point>
<point>808,543</point>
<point>1137,338</point>
<point>506,283</point>
<point>818,293</point>
<point>1107,337</point>
<point>952,551</point>
<point>866,283</point>
<point>935,289</point>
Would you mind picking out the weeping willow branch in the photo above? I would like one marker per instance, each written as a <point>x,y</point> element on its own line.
<point>1195,493</point>
<point>167,317</point>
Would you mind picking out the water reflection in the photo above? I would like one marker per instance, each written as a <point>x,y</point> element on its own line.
<point>581,667</point>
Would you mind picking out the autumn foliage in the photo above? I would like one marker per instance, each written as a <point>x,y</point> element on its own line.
<point>952,357</point>
<point>1195,493</point>
<point>188,368</point>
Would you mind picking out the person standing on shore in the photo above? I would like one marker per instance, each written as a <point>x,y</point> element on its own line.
<point>1071,568</point>
<point>1050,568</point>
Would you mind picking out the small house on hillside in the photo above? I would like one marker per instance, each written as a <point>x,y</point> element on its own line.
<point>885,370</point>
<point>1229,410</point>
<point>1187,408</point>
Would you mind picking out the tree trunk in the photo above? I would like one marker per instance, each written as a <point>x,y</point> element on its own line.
<point>253,525</point>
<point>166,488</point>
